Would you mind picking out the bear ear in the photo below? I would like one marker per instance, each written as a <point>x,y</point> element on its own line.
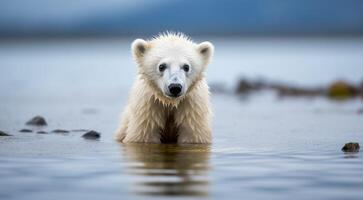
<point>138,48</point>
<point>206,50</point>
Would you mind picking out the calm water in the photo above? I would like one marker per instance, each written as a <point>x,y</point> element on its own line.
<point>264,147</point>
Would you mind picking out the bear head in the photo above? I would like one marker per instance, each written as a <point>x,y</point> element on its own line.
<point>171,62</point>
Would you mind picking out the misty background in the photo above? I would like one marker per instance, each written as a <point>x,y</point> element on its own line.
<point>209,17</point>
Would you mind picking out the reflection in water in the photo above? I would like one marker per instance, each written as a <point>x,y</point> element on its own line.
<point>351,155</point>
<point>169,170</point>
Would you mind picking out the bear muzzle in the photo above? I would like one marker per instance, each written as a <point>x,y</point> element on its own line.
<point>175,89</point>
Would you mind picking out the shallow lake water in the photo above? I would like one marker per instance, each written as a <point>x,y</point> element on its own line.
<point>264,147</point>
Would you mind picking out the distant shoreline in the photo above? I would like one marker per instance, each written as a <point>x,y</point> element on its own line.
<point>81,36</point>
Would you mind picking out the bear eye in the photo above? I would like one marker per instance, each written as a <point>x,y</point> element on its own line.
<point>162,67</point>
<point>186,68</point>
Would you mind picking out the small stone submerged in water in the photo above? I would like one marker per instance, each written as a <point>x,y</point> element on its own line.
<point>60,131</point>
<point>79,130</point>
<point>92,135</point>
<point>24,130</point>
<point>37,121</point>
<point>2,133</point>
<point>351,147</point>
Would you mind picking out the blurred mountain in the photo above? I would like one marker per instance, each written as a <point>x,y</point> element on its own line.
<point>42,17</point>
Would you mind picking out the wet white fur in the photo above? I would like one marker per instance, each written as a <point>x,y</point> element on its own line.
<point>148,106</point>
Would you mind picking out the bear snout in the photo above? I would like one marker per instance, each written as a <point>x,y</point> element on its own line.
<point>175,89</point>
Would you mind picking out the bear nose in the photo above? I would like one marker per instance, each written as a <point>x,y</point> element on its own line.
<point>175,89</point>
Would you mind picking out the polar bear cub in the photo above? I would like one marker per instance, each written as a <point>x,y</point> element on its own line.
<point>169,101</point>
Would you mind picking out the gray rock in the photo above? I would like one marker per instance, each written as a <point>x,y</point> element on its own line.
<point>37,121</point>
<point>42,132</point>
<point>351,147</point>
<point>92,135</point>
<point>2,133</point>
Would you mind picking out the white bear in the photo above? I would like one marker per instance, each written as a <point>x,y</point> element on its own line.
<point>169,101</point>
